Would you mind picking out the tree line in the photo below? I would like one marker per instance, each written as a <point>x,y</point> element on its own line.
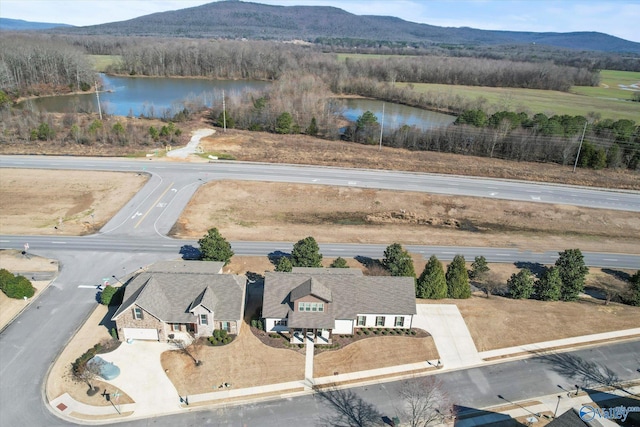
<point>42,65</point>
<point>564,281</point>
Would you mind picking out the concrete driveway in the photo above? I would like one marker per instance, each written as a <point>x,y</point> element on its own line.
<point>142,377</point>
<point>450,333</point>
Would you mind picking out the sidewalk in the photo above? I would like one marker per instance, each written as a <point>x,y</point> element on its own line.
<point>76,411</point>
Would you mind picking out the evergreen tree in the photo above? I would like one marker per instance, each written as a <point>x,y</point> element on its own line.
<point>214,247</point>
<point>479,268</point>
<point>306,253</point>
<point>398,262</point>
<point>339,263</point>
<point>520,284</point>
<point>549,286</point>
<point>572,272</point>
<point>284,123</point>
<point>634,298</point>
<point>432,283</point>
<point>458,279</point>
<point>284,265</point>
<point>313,127</point>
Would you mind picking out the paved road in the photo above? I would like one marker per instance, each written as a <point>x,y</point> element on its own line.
<point>393,180</point>
<point>468,389</point>
<point>136,237</point>
<point>157,244</point>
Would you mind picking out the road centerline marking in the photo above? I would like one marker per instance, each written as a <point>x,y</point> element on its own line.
<point>153,205</point>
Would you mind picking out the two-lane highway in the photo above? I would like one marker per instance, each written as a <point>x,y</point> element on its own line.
<point>380,179</point>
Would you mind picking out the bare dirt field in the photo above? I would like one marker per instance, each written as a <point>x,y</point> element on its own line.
<point>17,263</point>
<point>62,202</point>
<point>302,149</point>
<point>289,212</point>
<point>500,322</point>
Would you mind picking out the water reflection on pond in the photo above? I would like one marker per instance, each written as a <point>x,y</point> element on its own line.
<point>164,97</point>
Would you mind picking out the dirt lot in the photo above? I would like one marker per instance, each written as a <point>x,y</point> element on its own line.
<point>289,212</point>
<point>499,322</point>
<point>17,263</point>
<point>66,203</point>
<point>301,149</point>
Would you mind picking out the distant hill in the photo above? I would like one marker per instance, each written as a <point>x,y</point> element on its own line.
<point>235,20</point>
<point>20,25</point>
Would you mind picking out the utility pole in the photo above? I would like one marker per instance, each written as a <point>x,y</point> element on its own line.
<point>580,146</point>
<point>98,98</point>
<point>224,113</point>
<point>381,127</point>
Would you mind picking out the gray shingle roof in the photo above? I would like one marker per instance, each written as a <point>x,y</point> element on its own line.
<point>184,266</point>
<point>351,294</point>
<point>314,270</point>
<point>171,296</point>
<point>311,286</point>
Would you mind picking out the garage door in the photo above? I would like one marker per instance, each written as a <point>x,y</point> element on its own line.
<point>140,334</point>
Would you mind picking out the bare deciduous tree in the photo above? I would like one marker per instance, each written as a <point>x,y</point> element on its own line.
<point>350,409</point>
<point>425,402</point>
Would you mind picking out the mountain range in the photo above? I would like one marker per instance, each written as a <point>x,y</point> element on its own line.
<point>8,24</point>
<point>234,19</point>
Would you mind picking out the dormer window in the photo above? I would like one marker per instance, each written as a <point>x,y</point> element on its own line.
<point>137,313</point>
<point>311,306</point>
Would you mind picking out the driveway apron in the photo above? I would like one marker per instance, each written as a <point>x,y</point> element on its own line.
<point>450,334</point>
<point>142,377</point>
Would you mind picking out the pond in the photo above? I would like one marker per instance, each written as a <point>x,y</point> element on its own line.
<point>148,96</point>
<point>395,115</point>
<point>166,96</point>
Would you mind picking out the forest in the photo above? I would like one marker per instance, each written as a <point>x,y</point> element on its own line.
<point>303,96</point>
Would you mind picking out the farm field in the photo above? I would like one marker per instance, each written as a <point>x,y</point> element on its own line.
<point>533,101</point>
<point>611,85</point>
<point>101,62</point>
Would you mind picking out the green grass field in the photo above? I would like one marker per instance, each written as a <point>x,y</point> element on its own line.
<point>101,62</point>
<point>549,102</point>
<point>610,82</point>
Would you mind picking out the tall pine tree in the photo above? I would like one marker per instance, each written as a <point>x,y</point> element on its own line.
<point>432,283</point>
<point>573,272</point>
<point>458,279</point>
<point>398,261</point>
<point>549,286</point>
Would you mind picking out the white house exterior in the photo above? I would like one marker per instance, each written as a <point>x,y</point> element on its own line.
<point>323,302</point>
<point>181,297</point>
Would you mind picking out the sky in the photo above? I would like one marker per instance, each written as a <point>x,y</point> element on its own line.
<point>619,18</point>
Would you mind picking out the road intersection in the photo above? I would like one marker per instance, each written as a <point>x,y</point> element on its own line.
<point>136,236</point>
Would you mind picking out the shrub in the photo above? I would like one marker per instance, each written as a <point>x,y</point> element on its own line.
<point>16,286</point>
<point>384,332</point>
<point>254,323</point>
<point>106,296</point>
<point>413,332</point>
<point>366,332</point>
<point>358,332</point>
<point>114,333</point>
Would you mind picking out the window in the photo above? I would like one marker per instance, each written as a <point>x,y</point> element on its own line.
<point>137,313</point>
<point>311,306</point>
<point>282,322</point>
<point>204,320</point>
<point>175,326</point>
<point>225,326</point>
<point>399,323</point>
<point>379,320</point>
<point>362,320</point>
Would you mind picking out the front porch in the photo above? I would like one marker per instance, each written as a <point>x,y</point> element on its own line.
<point>318,336</point>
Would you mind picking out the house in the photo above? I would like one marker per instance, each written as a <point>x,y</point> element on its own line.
<point>180,298</point>
<point>321,302</point>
